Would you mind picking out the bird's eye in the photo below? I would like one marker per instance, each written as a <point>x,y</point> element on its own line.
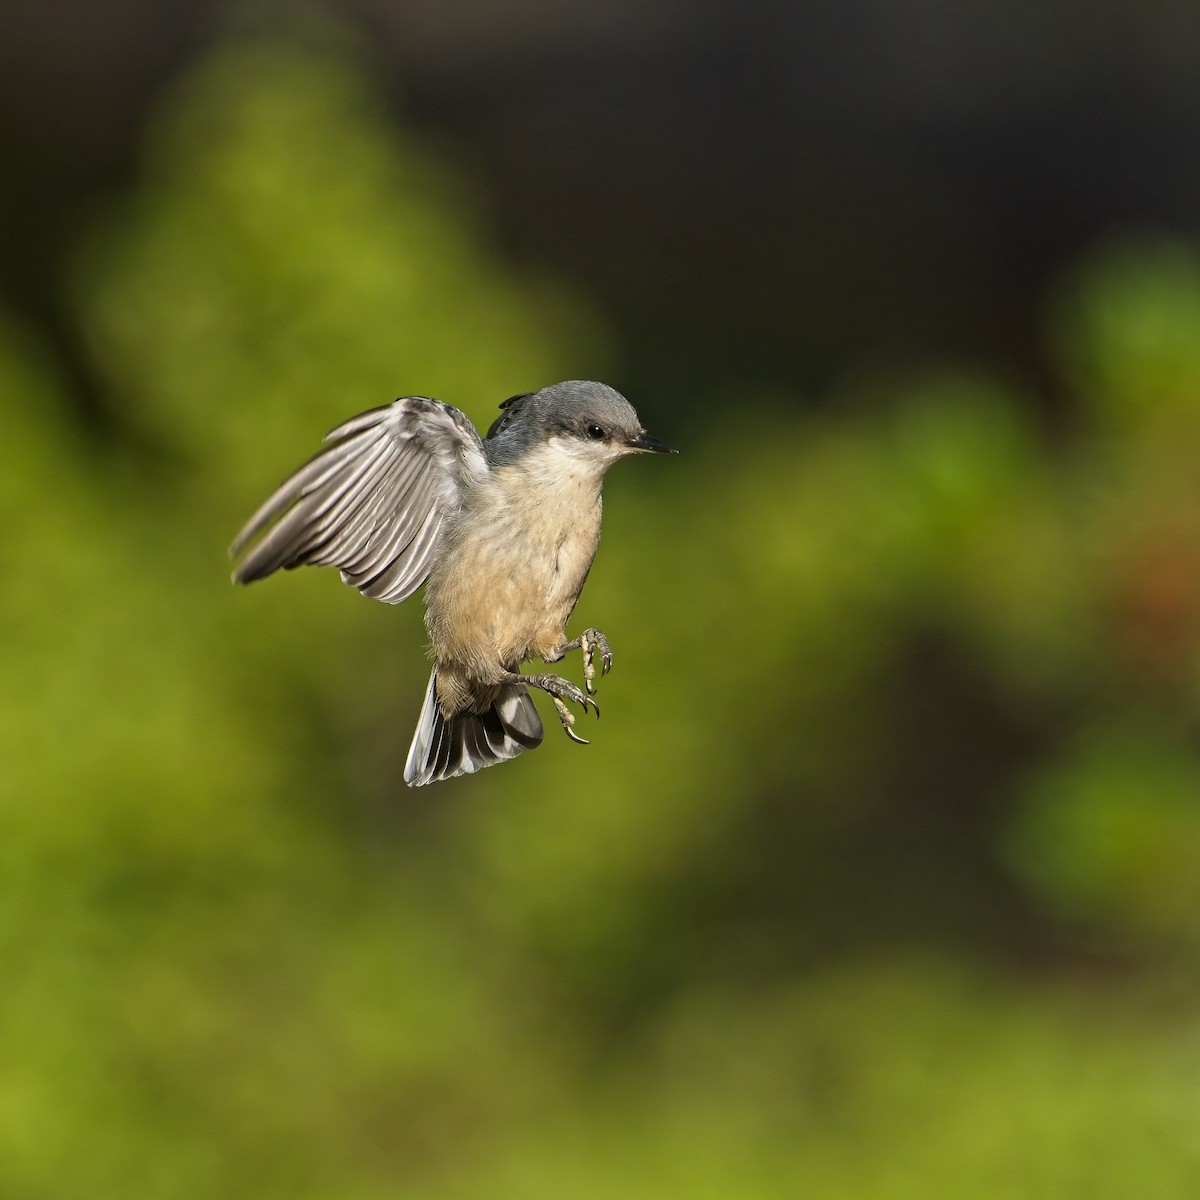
<point>595,432</point>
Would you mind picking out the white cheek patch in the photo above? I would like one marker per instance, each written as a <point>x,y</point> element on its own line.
<point>566,459</point>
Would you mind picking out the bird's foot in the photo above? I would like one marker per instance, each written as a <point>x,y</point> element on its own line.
<point>561,690</point>
<point>593,641</point>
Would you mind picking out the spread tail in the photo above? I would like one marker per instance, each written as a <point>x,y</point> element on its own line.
<point>469,742</point>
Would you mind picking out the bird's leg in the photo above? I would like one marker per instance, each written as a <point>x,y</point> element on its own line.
<point>559,690</point>
<point>590,641</point>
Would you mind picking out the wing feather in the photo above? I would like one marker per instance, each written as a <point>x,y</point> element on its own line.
<point>392,493</point>
<point>305,532</point>
<point>395,582</point>
<point>387,497</point>
<point>371,503</point>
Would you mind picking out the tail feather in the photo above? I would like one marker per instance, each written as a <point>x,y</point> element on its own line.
<point>469,742</point>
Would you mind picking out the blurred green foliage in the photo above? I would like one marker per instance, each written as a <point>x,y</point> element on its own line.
<point>905,705</point>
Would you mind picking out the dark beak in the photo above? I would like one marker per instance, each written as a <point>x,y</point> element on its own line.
<point>651,445</point>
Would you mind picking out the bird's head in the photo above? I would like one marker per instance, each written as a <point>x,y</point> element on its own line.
<point>580,422</point>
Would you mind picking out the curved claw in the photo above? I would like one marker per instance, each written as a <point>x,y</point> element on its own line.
<point>567,717</point>
<point>591,641</point>
<point>564,689</point>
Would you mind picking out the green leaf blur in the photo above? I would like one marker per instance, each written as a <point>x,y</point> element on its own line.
<point>736,948</point>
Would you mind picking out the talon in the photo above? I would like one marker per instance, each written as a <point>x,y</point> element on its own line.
<point>564,689</point>
<point>592,640</point>
<point>567,717</point>
<point>561,690</point>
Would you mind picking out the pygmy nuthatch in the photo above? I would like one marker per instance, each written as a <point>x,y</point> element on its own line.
<point>504,530</point>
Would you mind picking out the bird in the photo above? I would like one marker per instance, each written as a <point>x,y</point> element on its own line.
<point>500,530</point>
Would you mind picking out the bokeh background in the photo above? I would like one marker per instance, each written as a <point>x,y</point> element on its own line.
<point>881,877</point>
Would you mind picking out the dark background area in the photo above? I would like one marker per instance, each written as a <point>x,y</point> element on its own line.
<point>759,195</point>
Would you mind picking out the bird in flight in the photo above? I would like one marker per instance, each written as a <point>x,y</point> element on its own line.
<point>502,531</point>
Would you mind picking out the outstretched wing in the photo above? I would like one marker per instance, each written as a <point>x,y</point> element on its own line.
<point>372,502</point>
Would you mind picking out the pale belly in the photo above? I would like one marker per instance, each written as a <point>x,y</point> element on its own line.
<point>506,581</point>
